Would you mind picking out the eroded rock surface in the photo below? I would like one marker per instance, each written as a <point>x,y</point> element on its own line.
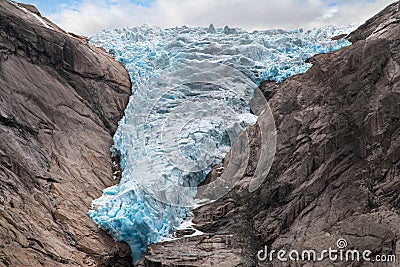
<point>60,102</point>
<point>336,173</point>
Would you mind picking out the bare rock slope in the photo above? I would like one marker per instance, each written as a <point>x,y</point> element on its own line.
<point>60,102</point>
<point>336,173</point>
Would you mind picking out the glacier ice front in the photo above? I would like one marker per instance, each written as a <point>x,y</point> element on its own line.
<point>191,94</point>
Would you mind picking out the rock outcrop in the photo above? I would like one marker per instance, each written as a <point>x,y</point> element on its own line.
<point>336,173</point>
<point>60,102</point>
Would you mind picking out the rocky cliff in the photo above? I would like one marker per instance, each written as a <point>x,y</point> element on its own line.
<point>60,102</point>
<point>336,173</point>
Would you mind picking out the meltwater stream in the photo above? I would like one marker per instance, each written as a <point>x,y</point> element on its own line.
<point>190,100</point>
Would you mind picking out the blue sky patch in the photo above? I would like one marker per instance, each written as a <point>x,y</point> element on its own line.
<point>48,7</point>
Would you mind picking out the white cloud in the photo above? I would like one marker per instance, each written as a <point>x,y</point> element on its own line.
<point>89,17</point>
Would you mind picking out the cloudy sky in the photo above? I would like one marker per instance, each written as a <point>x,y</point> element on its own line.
<point>90,16</point>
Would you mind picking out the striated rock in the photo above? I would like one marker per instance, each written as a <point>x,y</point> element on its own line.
<point>60,102</point>
<point>388,17</point>
<point>339,37</point>
<point>336,173</point>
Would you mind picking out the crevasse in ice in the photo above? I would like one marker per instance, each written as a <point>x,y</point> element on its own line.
<point>191,89</point>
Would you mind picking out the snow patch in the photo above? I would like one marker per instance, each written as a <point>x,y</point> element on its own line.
<point>37,17</point>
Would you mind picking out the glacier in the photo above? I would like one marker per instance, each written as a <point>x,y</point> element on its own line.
<point>191,89</point>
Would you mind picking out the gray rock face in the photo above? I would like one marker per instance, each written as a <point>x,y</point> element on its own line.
<point>60,101</point>
<point>377,24</point>
<point>336,173</point>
